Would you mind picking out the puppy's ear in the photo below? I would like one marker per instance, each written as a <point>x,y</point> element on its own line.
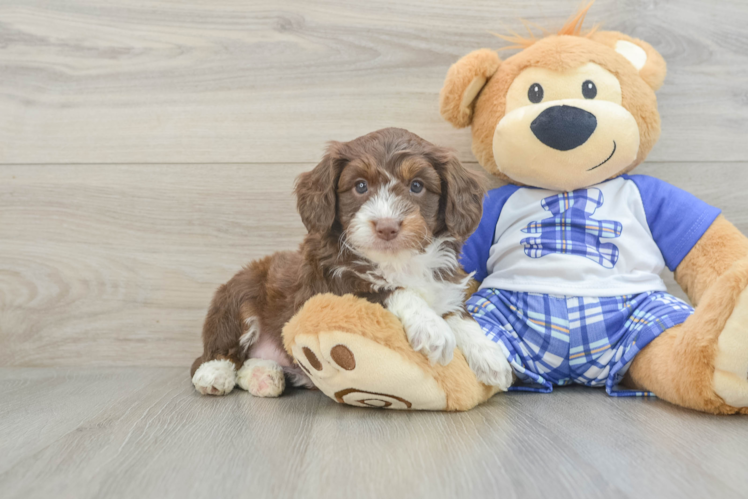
<point>647,61</point>
<point>462,194</point>
<point>316,192</point>
<point>465,79</point>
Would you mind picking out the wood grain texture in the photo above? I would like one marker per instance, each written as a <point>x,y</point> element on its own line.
<point>148,151</point>
<point>115,265</point>
<point>142,432</point>
<point>133,252</point>
<point>164,81</point>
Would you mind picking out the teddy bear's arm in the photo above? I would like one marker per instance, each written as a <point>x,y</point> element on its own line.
<point>716,251</point>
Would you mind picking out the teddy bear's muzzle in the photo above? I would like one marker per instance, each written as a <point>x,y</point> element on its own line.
<point>566,144</point>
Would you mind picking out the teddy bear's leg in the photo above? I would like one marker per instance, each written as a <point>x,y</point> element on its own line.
<point>703,363</point>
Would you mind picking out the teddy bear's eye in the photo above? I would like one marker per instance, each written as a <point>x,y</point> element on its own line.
<point>589,91</point>
<point>535,93</point>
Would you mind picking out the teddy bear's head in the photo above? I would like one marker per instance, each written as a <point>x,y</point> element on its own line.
<point>566,112</point>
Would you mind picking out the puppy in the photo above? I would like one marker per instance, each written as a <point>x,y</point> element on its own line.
<point>386,215</point>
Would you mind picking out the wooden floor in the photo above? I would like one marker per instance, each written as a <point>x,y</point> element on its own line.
<point>148,150</point>
<point>133,432</point>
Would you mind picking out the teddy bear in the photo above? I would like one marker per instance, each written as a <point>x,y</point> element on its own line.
<point>570,250</point>
<point>567,257</point>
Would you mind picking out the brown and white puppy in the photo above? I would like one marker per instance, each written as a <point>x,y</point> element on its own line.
<point>386,215</point>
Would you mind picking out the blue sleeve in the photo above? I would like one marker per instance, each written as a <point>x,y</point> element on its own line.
<point>475,252</point>
<point>676,218</point>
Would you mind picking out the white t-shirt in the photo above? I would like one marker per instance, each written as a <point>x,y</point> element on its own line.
<point>610,239</point>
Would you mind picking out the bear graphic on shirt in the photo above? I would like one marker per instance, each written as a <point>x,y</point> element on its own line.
<point>572,230</point>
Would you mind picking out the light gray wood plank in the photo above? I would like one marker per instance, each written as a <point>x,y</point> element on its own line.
<point>133,252</point>
<point>156,437</point>
<point>88,81</point>
<point>115,265</point>
<point>42,406</point>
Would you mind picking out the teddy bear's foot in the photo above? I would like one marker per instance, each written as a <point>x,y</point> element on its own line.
<point>357,353</point>
<point>216,377</point>
<point>730,380</point>
<point>262,378</point>
<point>703,363</point>
<point>375,376</point>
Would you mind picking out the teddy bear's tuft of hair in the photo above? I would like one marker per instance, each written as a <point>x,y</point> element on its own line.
<point>572,27</point>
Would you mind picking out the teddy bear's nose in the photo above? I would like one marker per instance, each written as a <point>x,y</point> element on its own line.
<point>563,127</point>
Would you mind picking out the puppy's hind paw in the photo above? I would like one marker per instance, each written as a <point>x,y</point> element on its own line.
<point>216,377</point>
<point>262,378</point>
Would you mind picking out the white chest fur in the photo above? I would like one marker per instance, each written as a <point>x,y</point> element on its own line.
<point>421,273</point>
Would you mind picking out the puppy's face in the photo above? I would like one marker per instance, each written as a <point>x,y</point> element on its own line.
<point>390,207</point>
<point>388,194</point>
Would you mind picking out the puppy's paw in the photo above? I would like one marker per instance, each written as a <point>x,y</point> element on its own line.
<point>215,378</point>
<point>262,378</point>
<point>490,365</point>
<point>430,335</point>
<point>485,357</point>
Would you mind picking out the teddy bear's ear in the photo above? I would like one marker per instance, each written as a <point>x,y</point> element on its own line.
<point>647,61</point>
<point>464,81</point>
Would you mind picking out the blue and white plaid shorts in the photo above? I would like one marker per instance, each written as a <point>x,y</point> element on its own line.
<point>559,340</point>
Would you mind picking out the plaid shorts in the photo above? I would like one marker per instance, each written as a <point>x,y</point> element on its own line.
<point>559,340</point>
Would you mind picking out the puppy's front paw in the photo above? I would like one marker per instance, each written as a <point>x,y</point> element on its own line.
<point>216,377</point>
<point>427,332</point>
<point>490,365</point>
<point>430,335</point>
<point>262,378</point>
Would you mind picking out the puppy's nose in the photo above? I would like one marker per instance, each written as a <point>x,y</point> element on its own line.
<point>563,127</point>
<point>387,229</point>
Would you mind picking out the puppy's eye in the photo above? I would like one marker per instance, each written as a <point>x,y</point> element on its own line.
<point>535,93</point>
<point>416,187</point>
<point>589,91</point>
<point>361,187</point>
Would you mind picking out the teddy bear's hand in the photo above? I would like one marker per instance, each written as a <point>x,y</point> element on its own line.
<point>427,332</point>
<point>485,358</point>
